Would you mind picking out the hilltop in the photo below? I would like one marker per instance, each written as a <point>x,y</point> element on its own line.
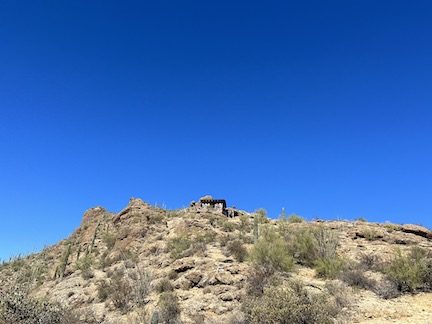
<point>209,264</point>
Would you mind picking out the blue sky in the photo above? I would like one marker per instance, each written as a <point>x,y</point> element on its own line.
<point>321,107</point>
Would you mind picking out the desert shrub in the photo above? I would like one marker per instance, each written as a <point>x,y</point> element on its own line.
<point>271,252</point>
<point>289,305</point>
<point>17,262</point>
<point>261,215</point>
<point>247,239</point>
<point>164,285</point>
<point>245,224</point>
<point>120,293</point>
<point>229,226</point>
<point>426,274</point>
<point>169,308</point>
<point>109,239</point>
<point>330,268</point>
<point>207,236</point>
<point>237,249</point>
<point>16,306</point>
<point>369,262</point>
<point>256,281</point>
<point>309,246</point>
<point>200,240</point>
<point>327,242</point>
<point>410,272</point>
<point>392,227</point>
<point>356,277</point>
<point>178,245</point>
<point>156,217</point>
<point>371,234</point>
<point>32,273</point>
<point>340,292</point>
<point>293,218</point>
<point>85,264</point>
<point>302,245</point>
<point>122,290</point>
<point>387,289</point>
<point>141,286</point>
<point>361,219</point>
<point>103,290</point>
<point>172,274</point>
<point>418,254</point>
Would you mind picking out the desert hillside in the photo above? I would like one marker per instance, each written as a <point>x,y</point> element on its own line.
<point>202,264</point>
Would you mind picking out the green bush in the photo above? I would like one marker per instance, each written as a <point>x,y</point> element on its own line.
<point>426,274</point>
<point>356,277</point>
<point>123,291</point>
<point>387,289</point>
<point>370,262</point>
<point>406,271</point>
<point>245,225</point>
<point>371,234</point>
<point>164,285</point>
<point>302,245</point>
<point>85,264</point>
<point>307,246</point>
<point>229,226</point>
<point>178,245</point>
<point>120,293</point>
<point>330,268</point>
<point>103,289</point>
<point>16,306</point>
<point>293,218</point>
<point>109,239</point>
<point>237,249</point>
<point>327,242</point>
<point>256,281</point>
<point>169,308</point>
<point>261,215</point>
<point>289,305</point>
<point>271,252</point>
<point>340,292</point>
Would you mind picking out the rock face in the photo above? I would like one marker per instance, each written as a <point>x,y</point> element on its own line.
<point>135,205</point>
<point>119,265</point>
<point>93,215</point>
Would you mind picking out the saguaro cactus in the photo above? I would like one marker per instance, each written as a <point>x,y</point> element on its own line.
<point>65,260</point>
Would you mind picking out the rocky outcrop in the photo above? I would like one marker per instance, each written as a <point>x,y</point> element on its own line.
<point>416,230</point>
<point>135,205</point>
<point>93,215</point>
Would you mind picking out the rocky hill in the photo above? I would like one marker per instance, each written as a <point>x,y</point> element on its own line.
<point>196,265</point>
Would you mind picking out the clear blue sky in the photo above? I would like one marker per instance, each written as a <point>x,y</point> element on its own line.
<point>321,107</point>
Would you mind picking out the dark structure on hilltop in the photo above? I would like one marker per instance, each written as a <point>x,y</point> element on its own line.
<point>217,205</point>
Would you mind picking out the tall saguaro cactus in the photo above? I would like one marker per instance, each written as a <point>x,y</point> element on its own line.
<point>65,260</point>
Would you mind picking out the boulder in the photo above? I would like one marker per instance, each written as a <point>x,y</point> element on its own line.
<point>416,230</point>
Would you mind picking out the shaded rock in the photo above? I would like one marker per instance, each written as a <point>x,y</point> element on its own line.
<point>183,265</point>
<point>194,278</point>
<point>227,296</point>
<point>416,230</point>
<point>221,279</point>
